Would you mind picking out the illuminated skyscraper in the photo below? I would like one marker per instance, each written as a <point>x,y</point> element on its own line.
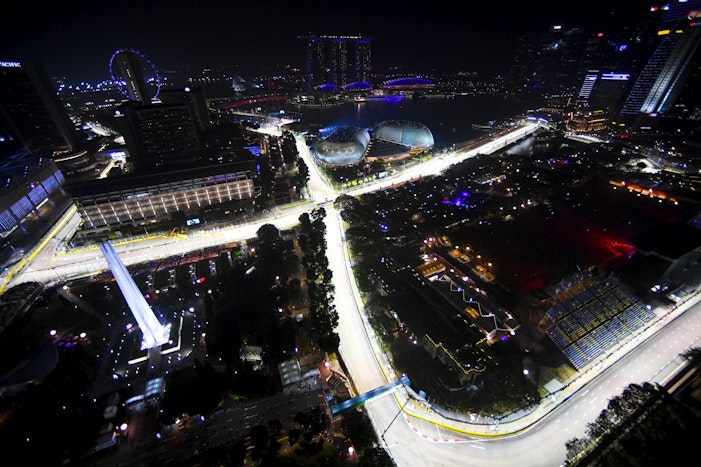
<point>31,114</point>
<point>337,60</point>
<point>665,73</point>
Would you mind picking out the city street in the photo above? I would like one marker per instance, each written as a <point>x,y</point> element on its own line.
<point>412,433</point>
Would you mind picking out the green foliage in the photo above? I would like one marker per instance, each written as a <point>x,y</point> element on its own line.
<point>376,457</point>
<point>358,428</point>
<point>320,288</point>
<point>663,429</point>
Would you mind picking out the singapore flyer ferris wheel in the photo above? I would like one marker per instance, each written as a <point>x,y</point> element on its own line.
<point>134,75</point>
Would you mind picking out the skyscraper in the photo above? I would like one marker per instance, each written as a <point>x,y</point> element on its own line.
<point>546,63</point>
<point>664,75</point>
<point>31,114</point>
<point>337,60</point>
<point>159,135</point>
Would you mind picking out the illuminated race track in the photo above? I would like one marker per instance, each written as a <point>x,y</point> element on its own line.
<point>413,434</point>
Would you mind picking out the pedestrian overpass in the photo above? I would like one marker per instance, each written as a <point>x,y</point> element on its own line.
<point>384,390</point>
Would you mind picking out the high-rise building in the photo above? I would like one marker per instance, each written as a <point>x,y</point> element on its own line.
<point>28,181</point>
<point>603,91</point>
<point>665,73</point>
<point>159,135</point>
<point>192,96</point>
<point>31,114</point>
<point>613,55</point>
<point>337,60</point>
<point>546,63</point>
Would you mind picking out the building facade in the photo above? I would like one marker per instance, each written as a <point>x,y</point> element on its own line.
<point>159,135</point>
<point>31,114</point>
<point>337,60</point>
<point>144,198</point>
<point>28,180</point>
<point>665,73</point>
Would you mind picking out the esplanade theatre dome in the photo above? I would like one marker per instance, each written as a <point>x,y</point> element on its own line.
<point>412,134</point>
<point>345,146</point>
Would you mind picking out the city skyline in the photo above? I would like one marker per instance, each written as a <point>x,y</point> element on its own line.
<point>513,280</point>
<point>76,42</point>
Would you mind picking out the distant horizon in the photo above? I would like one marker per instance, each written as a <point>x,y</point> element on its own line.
<point>75,42</point>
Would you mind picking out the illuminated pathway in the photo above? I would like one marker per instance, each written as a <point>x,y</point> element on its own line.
<point>155,334</point>
<point>373,394</point>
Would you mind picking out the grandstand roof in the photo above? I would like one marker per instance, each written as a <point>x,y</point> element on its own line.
<point>155,176</point>
<point>591,316</point>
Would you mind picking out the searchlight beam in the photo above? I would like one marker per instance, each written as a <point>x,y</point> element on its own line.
<point>155,334</point>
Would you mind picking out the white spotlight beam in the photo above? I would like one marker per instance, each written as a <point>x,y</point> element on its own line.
<point>155,334</point>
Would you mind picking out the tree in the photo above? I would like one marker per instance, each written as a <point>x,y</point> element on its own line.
<point>693,355</point>
<point>268,233</point>
<point>344,201</point>
<point>302,177</point>
<point>376,457</point>
<point>290,154</point>
<point>305,222</point>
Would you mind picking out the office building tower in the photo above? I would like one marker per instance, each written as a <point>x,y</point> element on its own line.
<point>337,60</point>
<point>547,63</point>
<point>28,181</point>
<point>665,73</point>
<point>193,97</point>
<point>159,135</point>
<point>603,91</point>
<point>31,114</point>
<point>612,57</point>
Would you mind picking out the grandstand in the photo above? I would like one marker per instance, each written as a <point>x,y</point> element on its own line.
<point>591,316</point>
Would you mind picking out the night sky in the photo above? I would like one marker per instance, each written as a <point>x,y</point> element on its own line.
<point>75,39</point>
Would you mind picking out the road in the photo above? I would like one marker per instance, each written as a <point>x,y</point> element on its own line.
<point>417,435</point>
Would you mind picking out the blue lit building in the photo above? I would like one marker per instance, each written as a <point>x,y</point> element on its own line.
<point>27,180</point>
<point>345,146</point>
<point>410,134</point>
<point>657,87</point>
<point>337,60</point>
<point>390,139</point>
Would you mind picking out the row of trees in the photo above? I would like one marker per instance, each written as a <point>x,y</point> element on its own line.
<point>312,241</point>
<point>645,425</point>
<point>283,174</point>
<point>248,301</point>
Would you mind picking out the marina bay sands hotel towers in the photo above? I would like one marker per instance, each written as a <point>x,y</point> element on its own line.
<point>336,60</point>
